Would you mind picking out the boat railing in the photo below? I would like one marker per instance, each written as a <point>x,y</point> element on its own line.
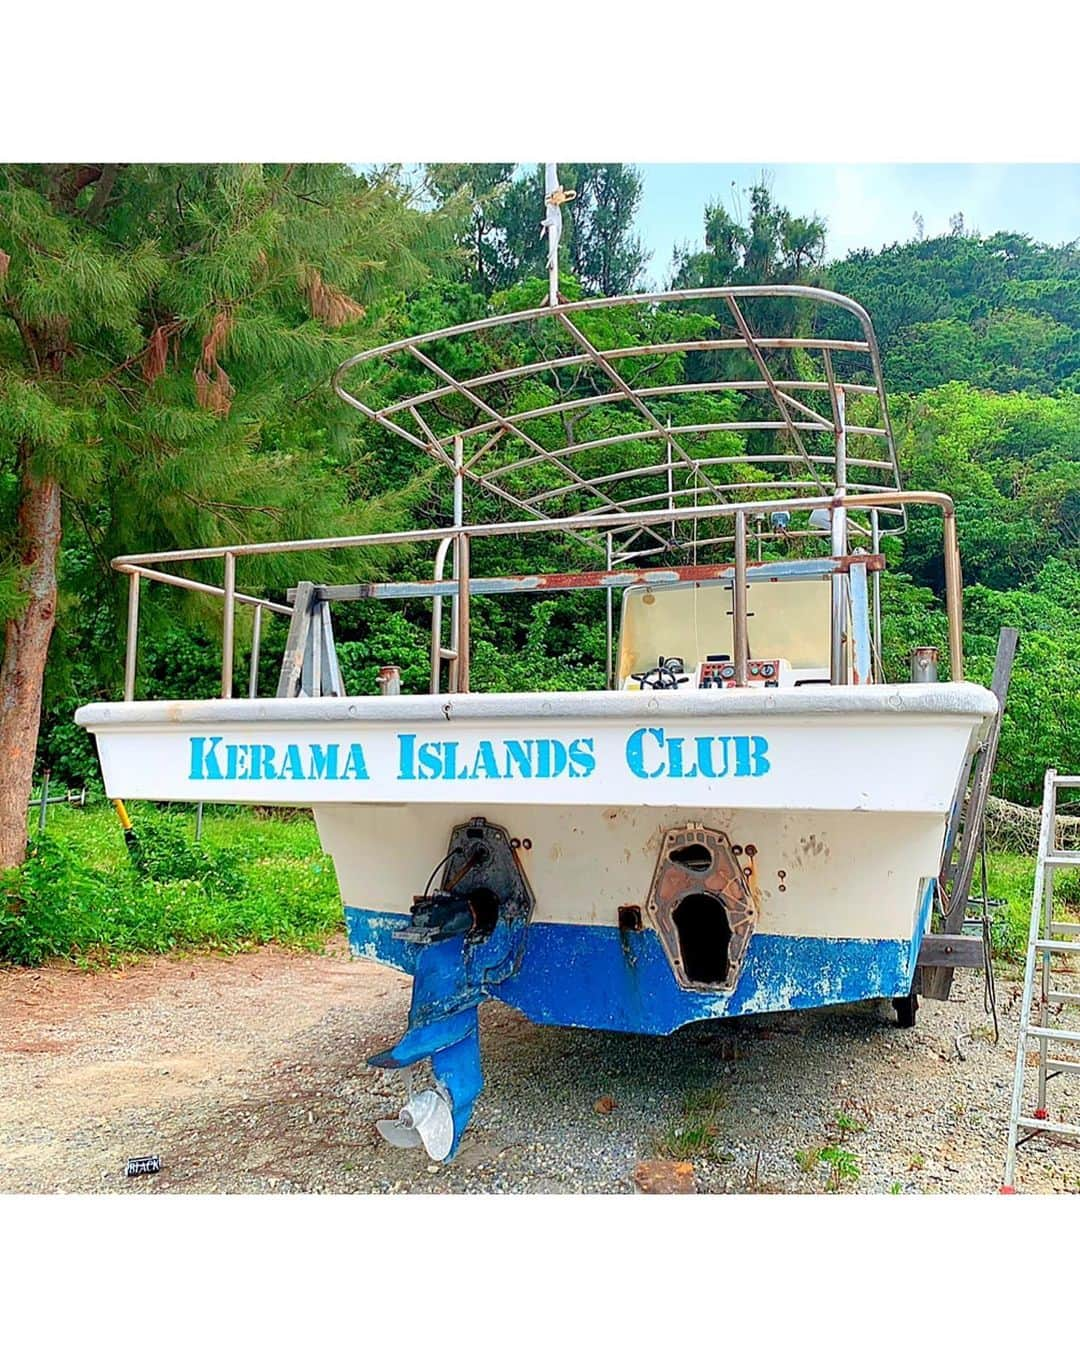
<point>849,574</point>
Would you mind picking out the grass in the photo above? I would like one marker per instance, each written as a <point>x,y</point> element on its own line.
<point>253,878</point>
<point>1011,879</point>
<point>695,1134</point>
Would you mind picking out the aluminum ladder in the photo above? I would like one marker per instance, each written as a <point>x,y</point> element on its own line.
<point>1047,938</point>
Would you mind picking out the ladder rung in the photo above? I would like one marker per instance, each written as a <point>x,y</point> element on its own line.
<point>1064,1066</point>
<point>1063,859</point>
<point>1067,780</point>
<point>1049,945</point>
<point>1057,1127</point>
<point>1062,997</point>
<point>1051,1033</point>
<point>1065,928</point>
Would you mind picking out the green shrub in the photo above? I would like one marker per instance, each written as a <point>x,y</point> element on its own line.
<point>79,894</point>
<point>542,662</point>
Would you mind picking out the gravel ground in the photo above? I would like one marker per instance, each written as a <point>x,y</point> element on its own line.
<point>247,1074</point>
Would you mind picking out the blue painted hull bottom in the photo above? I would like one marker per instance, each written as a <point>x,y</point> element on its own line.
<point>596,976</point>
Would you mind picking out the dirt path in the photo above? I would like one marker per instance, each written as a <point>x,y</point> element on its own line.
<point>248,1074</point>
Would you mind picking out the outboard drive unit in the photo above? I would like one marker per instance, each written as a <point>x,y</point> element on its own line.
<point>469,936</point>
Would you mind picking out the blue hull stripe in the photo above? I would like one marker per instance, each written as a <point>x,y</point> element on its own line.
<point>596,976</point>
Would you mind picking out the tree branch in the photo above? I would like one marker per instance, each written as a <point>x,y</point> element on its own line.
<point>102,192</point>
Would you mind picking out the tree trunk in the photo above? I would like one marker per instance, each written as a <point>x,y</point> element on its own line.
<point>26,645</point>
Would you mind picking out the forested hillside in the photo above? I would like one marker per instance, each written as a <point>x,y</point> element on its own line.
<point>166,336</point>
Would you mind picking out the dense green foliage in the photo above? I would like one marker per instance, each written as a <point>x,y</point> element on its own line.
<point>250,880</point>
<point>1001,313</point>
<point>502,244</point>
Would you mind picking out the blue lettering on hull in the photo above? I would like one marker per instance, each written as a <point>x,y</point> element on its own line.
<point>215,760</point>
<point>652,753</point>
<point>648,753</point>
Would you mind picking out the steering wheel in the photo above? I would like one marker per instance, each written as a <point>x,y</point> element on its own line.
<point>665,675</point>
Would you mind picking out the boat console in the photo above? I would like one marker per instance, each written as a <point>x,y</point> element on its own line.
<point>717,672</point>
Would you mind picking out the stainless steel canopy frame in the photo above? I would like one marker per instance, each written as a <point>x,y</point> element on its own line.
<point>589,427</point>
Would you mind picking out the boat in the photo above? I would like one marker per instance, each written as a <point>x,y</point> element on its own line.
<point>748,817</point>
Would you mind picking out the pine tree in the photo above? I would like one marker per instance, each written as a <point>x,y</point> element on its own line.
<point>166,334</point>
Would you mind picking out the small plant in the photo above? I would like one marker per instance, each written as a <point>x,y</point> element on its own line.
<point>843,1166</point>
<point>692,1140</point>
<point>896,1189</point>
<point>754,1181</point>
<point>703,1101</point>
<point>845,1125</point>
<point>841,1162</point>
<point>695,1134</point>
<point>917,1162</point>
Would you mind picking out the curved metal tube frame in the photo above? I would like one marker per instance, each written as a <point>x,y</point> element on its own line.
<point>511,477</point>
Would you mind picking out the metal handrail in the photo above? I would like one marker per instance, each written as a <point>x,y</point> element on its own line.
<point>141,565</point>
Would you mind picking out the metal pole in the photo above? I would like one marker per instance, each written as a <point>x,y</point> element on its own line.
<point>875,584</point>
<point>954,597</point>
<point>1046,984</point>
<point>459,480</point>
<point>454,680</point>
<point>670,475</point>
<point>256,638</point>
<point>461,637</point>
<point>738,600</point>
<point>610,604</point>
<point>228,627</point>
<point>315,638</point>
<point>1046,846</point>
<point>839,547</point>
<point>613,520</point>
<point>437,651</point>
<point>44,807</point>
<point>389,680</point>
<point>203,588</point>
<point>130,655</point>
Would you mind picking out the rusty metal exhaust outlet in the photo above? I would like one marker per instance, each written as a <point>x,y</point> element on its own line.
<point>702,907</point>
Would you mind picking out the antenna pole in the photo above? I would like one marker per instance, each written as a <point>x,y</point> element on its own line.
<point>554,197</point>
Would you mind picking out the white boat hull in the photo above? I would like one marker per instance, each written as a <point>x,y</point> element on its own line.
<point>838,798</point>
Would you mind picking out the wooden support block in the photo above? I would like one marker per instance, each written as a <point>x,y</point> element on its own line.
<point>950,950</point>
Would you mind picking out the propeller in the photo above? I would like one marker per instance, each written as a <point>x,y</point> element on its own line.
<point>426,1119</point>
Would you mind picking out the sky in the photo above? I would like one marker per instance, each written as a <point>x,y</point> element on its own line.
<point>863,204</point>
